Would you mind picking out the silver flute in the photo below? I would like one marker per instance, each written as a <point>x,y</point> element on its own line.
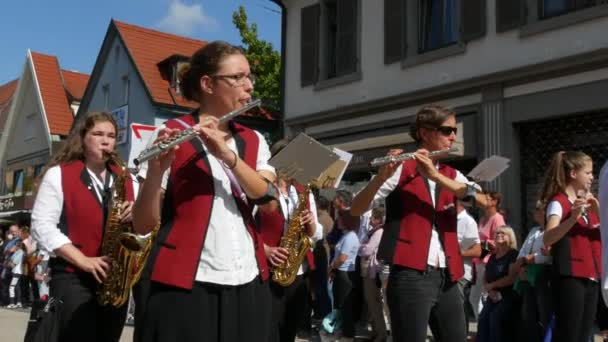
<point>407,156</point>
<point>187,135</point>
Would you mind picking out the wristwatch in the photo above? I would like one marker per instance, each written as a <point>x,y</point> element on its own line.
<point>470,193</point>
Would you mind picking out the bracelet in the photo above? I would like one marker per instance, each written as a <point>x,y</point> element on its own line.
<point>236,160</point>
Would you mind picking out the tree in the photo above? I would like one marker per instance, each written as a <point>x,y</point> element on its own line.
<point>264,60</point>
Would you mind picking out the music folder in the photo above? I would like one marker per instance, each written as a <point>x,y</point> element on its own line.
<point>489,169</point>
<point>307,161</point>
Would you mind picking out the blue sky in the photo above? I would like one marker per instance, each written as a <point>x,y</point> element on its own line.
<point>73,30</point>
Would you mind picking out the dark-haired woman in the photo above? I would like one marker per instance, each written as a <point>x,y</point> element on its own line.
<point>572,231</point>
<point>420,237</point>
<point>208,269</point>
<point>68,218</point>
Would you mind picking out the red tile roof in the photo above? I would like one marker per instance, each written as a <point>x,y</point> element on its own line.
<point>6,94</point>
<point>149,47</point>
<point>54,99</point>
<point>75,83</point>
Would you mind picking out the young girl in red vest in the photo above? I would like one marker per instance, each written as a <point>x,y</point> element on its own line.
<point>572,231</point>
<point>68,219</point>
<point>420,237</point>
<point>207,270</point>
<point>290,304</point>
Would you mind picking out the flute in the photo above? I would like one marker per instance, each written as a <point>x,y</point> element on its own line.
<point>187,135</point>
<point>407,156</point>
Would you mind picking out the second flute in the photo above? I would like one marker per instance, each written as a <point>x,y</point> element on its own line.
<point>187,134</point>
<point>406,156</point>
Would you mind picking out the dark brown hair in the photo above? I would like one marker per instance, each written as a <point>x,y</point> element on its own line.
<point>495,195</point>
<point>348,221</point>
<point>556,178</point>
<point>205,61</point>
<point>430,117</point>
<point>73,147</point>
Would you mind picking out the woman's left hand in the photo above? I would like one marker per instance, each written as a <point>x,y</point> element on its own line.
<point>215,140</point>
<point>306,217</point>
<point>127,212</point>
<point>425,164</point>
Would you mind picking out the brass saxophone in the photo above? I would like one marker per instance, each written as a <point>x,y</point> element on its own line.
<point>296,242</point>
<point>127,251</point>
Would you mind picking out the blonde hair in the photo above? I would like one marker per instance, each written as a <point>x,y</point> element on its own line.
<point>508,231</point>
<point>558,174</point>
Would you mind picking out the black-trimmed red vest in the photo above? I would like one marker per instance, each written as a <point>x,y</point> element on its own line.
<point>272,227</point>
<point>82,218</point>
<point>188,205</point>
<point>578,253</point>
<point>409,222</point>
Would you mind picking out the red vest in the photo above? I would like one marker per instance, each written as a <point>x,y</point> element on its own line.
<point>82,218</point>
<point>272,226</point>
<point>578,253</point>
<point>188,205</point>
<point>409,222</point>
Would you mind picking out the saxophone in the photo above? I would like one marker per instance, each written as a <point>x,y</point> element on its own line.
<point>296,242</point>
<point>127,251</point>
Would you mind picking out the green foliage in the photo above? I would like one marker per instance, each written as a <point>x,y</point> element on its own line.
<point>264,60</point>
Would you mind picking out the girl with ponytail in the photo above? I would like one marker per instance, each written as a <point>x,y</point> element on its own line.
<point>572,231</point>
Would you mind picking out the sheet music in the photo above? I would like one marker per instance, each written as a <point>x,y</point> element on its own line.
<point>489,169</point>
<point>308,161</point>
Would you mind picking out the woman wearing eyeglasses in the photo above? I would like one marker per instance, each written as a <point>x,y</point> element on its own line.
<point>420,238</point>
<point>208,269</point>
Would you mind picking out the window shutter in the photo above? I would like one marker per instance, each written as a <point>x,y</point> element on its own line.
<point>473,19</point>
<point>309,45</point>
<point>509,14</point>
<point>394,30</point>
<point>346,47</point>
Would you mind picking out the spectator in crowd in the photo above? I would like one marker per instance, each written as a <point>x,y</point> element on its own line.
<point>470,247</point>
<point>500,274</point>
<point>343,274</point>
<point>369,272</point>
<point>16,265</point>
<point>490,221</point>
<point>10,246</point>
<point>321,302</point>
<point>533,269</point>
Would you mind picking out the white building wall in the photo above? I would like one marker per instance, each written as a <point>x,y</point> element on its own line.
<point>490,54</point>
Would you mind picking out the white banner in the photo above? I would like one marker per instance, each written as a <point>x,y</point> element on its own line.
<point>140,135</point>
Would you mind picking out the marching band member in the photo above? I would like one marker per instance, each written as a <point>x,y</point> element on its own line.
<point>572,231</point>
<point>420,236</point>
<point>208,269</point>
<point>68,218</point>
<point>290,303</point>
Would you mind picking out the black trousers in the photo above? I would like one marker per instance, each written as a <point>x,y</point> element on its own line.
<point>575,308</point>
<point>82,318</point>
<point>537,307</point>
<point>208,312</point>
<point>345,290</point>
<point>321,303</point>
<point>289,308</point>
<point>418,298</point>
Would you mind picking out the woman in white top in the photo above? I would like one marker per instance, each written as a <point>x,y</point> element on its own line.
<point>208,268</point>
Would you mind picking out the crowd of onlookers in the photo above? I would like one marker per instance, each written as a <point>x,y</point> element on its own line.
<point>23,269</point>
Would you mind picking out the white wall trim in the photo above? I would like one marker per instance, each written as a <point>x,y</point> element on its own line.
<point>556,83</point>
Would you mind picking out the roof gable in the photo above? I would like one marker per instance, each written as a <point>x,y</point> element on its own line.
<point>147,48</point>
<point>52,92</point>
<point>75,83</point>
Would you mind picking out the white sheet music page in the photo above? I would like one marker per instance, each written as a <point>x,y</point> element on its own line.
<point>489,169</point>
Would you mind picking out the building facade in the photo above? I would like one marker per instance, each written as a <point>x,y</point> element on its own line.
<point>526,78</point>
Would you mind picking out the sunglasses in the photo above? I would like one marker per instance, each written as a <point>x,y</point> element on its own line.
<point>447,130</point>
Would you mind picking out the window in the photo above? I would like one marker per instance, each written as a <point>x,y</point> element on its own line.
<point>175,75</point>
<point>106,96</point>
<point>425,30</point>
<point>553,8</point>
<point>126,83</point>
<point>38,170</point>
<point>438,24</point>
<point>329,40</point>
<point>9,181</point>
<point>18,182</point>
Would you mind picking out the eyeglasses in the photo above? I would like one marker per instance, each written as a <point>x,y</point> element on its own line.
<point>447,130</point>
<point>237,80</point>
